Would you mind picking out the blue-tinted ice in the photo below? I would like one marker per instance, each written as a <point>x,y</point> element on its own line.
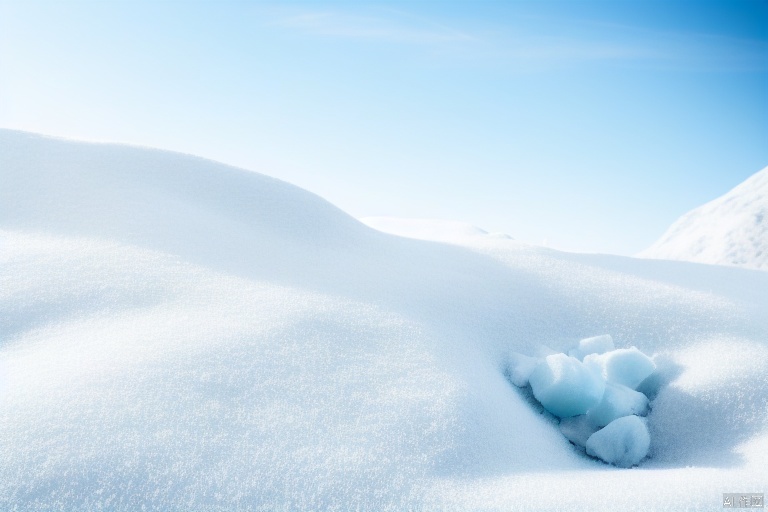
<point>565,387</point>
<point>623,442</point>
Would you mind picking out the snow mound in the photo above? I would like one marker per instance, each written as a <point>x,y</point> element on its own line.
<point>628,367</point>
<point>730,230</point>
<point>565,387</point>
<point>200,210</point>
<point>623,442</point>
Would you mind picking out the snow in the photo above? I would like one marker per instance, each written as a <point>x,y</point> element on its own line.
<point>730,230</point>
<point>594,345</point>
<point>177,334</point>
<point>623,442</point>
<point>566,387</point>
<point>437,230</point>
<point>628,367</point>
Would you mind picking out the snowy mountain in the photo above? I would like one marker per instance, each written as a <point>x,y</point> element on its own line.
<point>177,334</point>
<point>731,230</point>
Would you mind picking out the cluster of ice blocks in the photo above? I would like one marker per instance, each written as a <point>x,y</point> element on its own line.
<point>593,390</point>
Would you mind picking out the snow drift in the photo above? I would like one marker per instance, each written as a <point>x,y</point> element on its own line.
<point>177,334</point>
<point>731,230</point>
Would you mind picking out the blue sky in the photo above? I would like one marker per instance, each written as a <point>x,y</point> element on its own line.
<point>588,125</point>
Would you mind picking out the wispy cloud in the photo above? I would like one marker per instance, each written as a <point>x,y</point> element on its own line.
<point>536,43</point>
<point>375,28</point>
<point>524,47</point>
<point>558,49</point>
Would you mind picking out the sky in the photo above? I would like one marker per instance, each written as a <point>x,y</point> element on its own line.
<point>583,125</point>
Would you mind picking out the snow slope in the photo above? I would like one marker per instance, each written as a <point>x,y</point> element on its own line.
<point>731,230</point>
<point>435,230</point>
<point>177,334</point>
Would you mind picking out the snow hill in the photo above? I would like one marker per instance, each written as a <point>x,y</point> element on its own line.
<point>177,334</point>
<point>731,230</point>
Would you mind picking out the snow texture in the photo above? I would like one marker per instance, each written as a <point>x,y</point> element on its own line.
<point>594,345</point>
<point>178,334</point>
<point>730,230</point>
<point>628,367</point>
<point>565,387</point>
<point>623,442</point>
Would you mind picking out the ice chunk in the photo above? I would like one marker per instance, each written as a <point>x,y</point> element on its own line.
<point>577,429</point>
<point>544,351</point>
<point>623,442</point>
<point>520,367</point>
<point>627,366</point>
<point>565,387</point>
<point>666,371</point>
<point>594,345</point>
<point>618,401</point>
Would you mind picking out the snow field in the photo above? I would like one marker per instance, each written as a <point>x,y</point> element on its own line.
<point>177,334</point>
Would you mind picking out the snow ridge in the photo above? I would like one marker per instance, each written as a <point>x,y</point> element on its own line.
<point>730,230</point>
